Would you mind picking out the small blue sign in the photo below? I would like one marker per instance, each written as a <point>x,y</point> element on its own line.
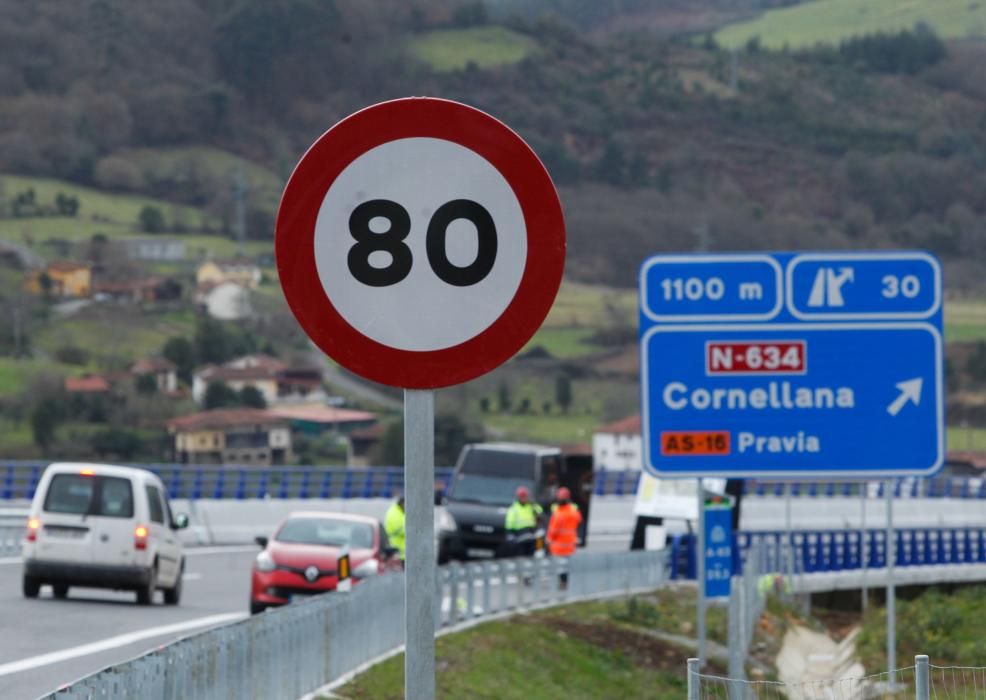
<point>842,379</point>
<point>718,542</point>
<point>857,287</point>
<point>711,288</point>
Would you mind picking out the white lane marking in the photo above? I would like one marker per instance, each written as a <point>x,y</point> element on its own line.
<point>113,642</point>
<point>191,577</point>
<point>229,549</point>
<point>190,552</point>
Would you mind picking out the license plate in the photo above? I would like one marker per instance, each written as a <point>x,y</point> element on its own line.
<point>67,533</point>
<point>299,596</point>
<point>480,553</point>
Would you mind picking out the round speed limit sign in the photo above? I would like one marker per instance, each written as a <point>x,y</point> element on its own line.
<point>420,243</point>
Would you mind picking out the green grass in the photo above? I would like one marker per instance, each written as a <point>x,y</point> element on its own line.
<point>944,624</point>
<point>115,335</point>
<point>115,215</point>
<point>95,205</point>
<point>179,163</point>
<point>548,656</point>
<point>960,438</point>
<point>965,321</point>
<point>486,47</point>
<point>16,375</point>
<point>579,312</point>
<point>830,21</point>
<point>563,343</point>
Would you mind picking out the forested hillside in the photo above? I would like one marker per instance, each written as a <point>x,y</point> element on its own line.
<point>659,141</point>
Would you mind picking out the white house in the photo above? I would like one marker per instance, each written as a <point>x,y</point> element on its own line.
<point>617,446</point>
<point>226,301</point>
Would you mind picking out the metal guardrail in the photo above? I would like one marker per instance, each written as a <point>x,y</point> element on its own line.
<point>10,540</point>
<point>295,650</point>
<point>843,550</point>
<point>18,480</point>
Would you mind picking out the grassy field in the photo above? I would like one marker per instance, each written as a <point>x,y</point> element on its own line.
<point>965,320</point>
<point>830,21</point>
<point>117,335</point>
<point>486,47</point>
<point>944,624</point>
<point>579,311</point>
<point>115,214</point>
<point>570,653</point>
<point>96,205</point>
<point>16,375</point>
<point>960,438</point>
<point>179,163</point>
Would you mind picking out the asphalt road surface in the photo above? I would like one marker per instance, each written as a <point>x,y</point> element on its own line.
<point>46,643</point>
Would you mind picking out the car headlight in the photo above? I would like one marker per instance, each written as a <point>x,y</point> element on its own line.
<point>371,567</point>
<point>265,562</point>
<point>446,523</point>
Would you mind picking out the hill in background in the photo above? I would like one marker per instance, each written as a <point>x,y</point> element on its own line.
<point>832,21</point>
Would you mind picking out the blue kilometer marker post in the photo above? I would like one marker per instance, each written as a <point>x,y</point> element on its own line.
<point>807,365</point>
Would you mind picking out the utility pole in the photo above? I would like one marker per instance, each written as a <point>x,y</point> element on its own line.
<point>733,68</point>
<point>240,191</point>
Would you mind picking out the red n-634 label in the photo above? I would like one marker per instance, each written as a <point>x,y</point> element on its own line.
<point>756,357</point>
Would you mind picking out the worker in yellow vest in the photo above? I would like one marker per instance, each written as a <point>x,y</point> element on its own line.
<point>393,524</point>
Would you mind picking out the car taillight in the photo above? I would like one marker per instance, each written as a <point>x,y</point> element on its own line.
<point>140,537</point>
<point>33,525</point>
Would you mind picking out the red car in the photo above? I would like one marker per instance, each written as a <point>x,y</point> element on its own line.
<point>301,558</point>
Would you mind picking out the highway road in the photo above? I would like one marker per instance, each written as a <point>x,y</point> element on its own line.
<point>46,643</point>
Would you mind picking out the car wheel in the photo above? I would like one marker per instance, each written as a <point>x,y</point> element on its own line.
<point>145,594</point>
<point>31,587</point>
<point>257,608</point>
<point>172,596</point>
<point>60,590</point>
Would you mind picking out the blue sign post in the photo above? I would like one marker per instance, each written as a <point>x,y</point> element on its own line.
<point>808,365</point>
<point>718,549</point>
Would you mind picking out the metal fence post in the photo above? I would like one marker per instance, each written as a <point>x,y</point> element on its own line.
<point>693,679</point>
<point>922,691</point>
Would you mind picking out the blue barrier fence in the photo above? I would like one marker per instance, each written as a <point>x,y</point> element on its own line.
<point>842,550</point>
<point>18,480</point>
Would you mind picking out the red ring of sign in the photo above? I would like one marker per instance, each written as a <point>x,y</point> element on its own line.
<point>408,118</point>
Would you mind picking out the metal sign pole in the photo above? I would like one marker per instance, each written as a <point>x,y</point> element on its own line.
<point>700,573</point>
<point>789,539</point>
<point>419,528</point>
<point>891,602</point>
<point>863,549</point>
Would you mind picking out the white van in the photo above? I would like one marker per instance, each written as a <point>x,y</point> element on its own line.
<point>102,526</point>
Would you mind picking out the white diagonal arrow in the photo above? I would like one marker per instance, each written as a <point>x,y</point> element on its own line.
<point>909,391</point>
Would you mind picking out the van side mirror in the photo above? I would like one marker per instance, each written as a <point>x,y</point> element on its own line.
<point>180,522</point>
<point>261,540</point>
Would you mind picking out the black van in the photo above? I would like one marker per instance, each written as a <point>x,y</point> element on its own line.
<point>483,485</point>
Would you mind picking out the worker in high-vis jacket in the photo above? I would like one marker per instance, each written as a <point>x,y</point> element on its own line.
<point>393,524</point>
<point>563,530</point>
<point>522,520</point>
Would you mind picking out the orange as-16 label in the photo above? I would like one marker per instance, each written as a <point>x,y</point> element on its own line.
<point>694,443</point>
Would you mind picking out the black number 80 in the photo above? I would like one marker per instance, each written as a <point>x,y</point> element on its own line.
<point>392,241</point>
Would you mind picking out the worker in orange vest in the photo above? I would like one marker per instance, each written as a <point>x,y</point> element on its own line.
<point>563,529</point>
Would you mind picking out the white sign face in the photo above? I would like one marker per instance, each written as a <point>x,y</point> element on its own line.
<point>420,243</point>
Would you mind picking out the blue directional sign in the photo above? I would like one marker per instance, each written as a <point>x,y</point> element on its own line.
<point>786,364</point>
<point>718,544</point>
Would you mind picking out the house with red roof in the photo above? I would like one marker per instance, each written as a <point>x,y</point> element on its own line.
<point>240,436</point>
<point>89,384</point>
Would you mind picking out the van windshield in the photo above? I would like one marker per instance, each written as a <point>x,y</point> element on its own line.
<point>80,494</point>
<point>499,463</point>
<point>488,490</point>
